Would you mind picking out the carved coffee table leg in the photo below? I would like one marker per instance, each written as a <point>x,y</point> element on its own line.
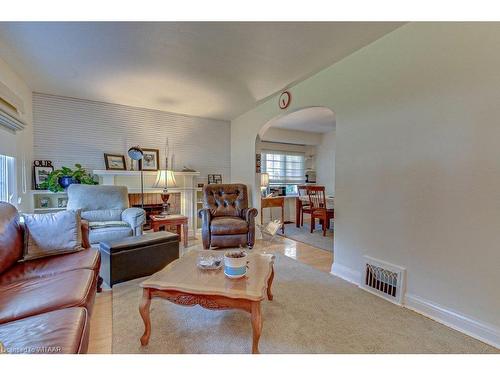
<point>256,326</point>
<point>269,284</point>
<point>144,311</point>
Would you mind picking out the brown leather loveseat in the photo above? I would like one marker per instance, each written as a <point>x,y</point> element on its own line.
<point>226,219</point>
<point>45,304</point>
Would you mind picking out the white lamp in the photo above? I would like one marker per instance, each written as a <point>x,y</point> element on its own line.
<point>264,183</point>
<point>165,179</point>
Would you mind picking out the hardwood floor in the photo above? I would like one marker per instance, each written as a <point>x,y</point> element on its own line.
<point>102,318</point>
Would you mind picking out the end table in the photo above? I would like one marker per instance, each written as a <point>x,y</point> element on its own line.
<point>179,221</point>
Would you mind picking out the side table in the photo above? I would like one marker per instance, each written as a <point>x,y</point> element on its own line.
<point>180,221</point>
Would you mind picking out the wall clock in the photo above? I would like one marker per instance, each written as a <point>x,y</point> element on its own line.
<point>285,99</point>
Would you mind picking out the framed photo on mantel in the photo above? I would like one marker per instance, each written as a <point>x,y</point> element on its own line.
<point>115,162</point>
<point>215,179</point>
<point>151,159</point>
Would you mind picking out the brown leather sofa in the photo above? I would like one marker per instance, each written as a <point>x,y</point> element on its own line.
<point>45,304</point>
<point>226,219</point>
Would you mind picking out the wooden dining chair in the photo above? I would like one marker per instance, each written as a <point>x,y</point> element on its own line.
<point>319,210</point>
<point>305,205</point>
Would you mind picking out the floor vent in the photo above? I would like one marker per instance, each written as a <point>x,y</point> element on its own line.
<point>383,279</point>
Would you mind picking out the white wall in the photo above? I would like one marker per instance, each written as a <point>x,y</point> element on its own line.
<point>69,131</point>
<point>417,163</point>
<point>20,144</point>
<point>291,136</point>
<point>325,162</point>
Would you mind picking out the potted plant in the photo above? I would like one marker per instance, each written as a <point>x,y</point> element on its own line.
<point>59,179</point>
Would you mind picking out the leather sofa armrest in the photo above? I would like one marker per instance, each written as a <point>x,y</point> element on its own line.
<point>249,214</point>
<point>206,217</point>
<point>135,217</point>
<point>85,234</point>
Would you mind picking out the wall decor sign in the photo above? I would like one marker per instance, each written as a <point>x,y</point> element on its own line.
<point>284,99</point>
<point>115,162</point>
<point>151,159</point>
<point>41,171</point>
<point>215,179</point>
<point>258,163</point>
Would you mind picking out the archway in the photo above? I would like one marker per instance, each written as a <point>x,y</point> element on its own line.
<point>307,132</point>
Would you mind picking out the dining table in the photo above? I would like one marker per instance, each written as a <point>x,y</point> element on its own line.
<point>301,200</point>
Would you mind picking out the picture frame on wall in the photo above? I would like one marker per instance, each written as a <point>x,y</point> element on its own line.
<point>115,162</point>
<point>151,159</point>
<point>215,179</point>
<point>40,174</point>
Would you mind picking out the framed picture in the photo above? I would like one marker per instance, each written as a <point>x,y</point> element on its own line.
<point>40,174</point>
<point>44,202</point>
<point>258,163</point>
<point>62,202</point>
<point>151,159</point>
<point>215,179</point>
<point>115,162</point>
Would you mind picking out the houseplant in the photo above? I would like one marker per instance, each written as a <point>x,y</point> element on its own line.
<point>60,179</point>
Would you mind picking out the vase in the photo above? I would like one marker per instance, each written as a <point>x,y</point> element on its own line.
<point>65,181</point>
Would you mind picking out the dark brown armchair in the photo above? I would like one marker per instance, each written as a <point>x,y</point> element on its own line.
<point>226,219</point>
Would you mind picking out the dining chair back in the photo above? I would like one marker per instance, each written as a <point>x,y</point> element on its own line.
<point>317,197</point>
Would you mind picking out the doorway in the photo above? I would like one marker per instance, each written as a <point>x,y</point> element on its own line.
<point>297,151</point>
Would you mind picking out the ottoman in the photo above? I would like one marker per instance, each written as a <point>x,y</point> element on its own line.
<point>133,257</point>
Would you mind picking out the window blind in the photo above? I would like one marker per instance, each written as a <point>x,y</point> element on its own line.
<point>283,167</point>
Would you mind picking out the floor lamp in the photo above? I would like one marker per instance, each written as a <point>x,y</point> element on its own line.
<point>136,153</point>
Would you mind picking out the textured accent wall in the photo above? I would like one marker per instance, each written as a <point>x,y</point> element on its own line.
<point>69,131</point>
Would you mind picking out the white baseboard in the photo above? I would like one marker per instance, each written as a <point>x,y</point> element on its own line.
<point>471,327</point>
<point>345,273</point>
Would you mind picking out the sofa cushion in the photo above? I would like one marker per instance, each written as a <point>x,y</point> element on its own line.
<point>52,233</point>
<point>228,225</point>
<point>25,298</point>
<point>109,234</point>
<point>11,237</point>
<point>86,259</point>
<point>107,224</point>
<point>56,332</point>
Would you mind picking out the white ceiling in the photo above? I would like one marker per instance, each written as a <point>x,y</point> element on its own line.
<point>314,120</point>
<point>212,69</point>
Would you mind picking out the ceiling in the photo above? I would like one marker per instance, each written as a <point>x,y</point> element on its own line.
<point>313,119</point>
<point>211,69</point>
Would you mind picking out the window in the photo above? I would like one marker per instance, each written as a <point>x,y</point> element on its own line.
<point>7,178</point>
<point>283,167</point>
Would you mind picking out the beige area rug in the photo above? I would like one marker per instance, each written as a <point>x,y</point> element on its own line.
<point>315,239</point>
<point>312,312</point>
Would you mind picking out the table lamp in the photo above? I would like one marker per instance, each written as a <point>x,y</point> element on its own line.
<point>165,179</point>
<point>136,153</point>
<point>264,183</point>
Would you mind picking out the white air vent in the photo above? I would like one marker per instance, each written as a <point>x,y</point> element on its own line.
<point>11,109</point>
<point>383,279</point>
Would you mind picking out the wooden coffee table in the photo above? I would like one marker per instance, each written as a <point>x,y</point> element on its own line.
<point>182,283</point>
<point>167,220</point>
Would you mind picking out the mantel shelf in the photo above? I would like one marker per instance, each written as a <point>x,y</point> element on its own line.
<point>103,172</point>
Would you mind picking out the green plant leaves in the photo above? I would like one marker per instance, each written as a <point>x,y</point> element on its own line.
<point>79,174</point>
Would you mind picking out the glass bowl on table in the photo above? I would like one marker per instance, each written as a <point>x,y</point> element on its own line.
<point>210,261</point>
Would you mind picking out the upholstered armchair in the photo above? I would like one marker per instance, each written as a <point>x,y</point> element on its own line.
<point>106,208</point>
<point>226,219</point>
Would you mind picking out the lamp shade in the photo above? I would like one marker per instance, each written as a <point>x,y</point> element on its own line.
<point>264,180</point>
<point>165,179</point>
<point>135,153</point>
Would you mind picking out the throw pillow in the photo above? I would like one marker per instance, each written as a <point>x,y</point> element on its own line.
<point>52,234</point>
